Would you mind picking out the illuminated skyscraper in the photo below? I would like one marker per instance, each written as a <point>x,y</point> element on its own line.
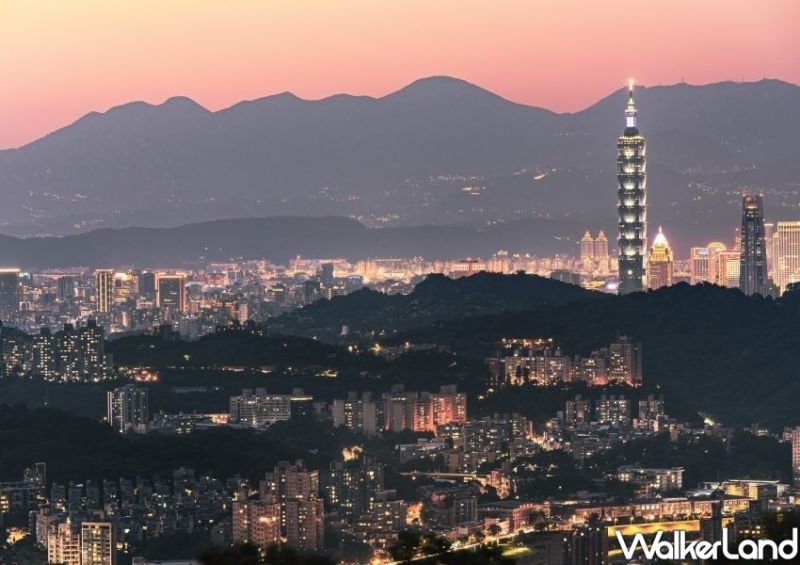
<point>796,455</point>
<point>587,247</point>
<point>728,271</point>
<point>9,294</point>
<point>601,246</point>
<point>91,340</point>
<point>786,253</point>
<point>632,207</point>
<point>69,353</point>
<point>659,263</point>
<point>698,265</point>
<point>753,262</point>
<point>716,270</point>
<point>127,409</point>
<point>126,287</point>
<point>171,291</point>
<point>44,356</point>
<point>104,290</point>
<point>98,543</point>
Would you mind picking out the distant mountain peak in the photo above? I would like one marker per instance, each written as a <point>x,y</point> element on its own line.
<point>443,87</point>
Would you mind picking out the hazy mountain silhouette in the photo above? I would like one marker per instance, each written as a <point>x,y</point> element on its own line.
<point>278,239</point>
<point>437,151</point>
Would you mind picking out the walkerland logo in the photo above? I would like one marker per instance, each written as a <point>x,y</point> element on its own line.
<point>680,549</point>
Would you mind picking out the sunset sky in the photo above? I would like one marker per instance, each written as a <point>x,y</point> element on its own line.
<point>60,59</point>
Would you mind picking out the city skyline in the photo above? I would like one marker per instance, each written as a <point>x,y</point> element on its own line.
<point>526,315</point>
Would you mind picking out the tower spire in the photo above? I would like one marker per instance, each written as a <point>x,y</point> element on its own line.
<point>630,108</point>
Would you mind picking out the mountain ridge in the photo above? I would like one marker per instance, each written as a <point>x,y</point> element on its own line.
<point>438,151</point>
<point>277,239</point>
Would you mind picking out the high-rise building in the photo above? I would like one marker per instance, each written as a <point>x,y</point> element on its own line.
<point>449,406</point>
<point>796,455</point>
<point>651,412</point>
<point>753,262</point>
<point>423,411</point>
<point>127,409</point>
<point>126,287</point>
<point>769,234</point>
<point>64,543</point>
<point>577,411</point>
<point>44,355</point>
<point>98,543</point>
<point>104,290</point>
<point>632,207</point>
<point>171,291</point>
<point>698,265</point>
<point>326,274</point>
<point>625,362</point>
<point>147,284</point>
<point>296,490</point>
<point>93,361</point>
<point>305,523</point>
<point>613,411</point>
<point>716,264</point>
<point>69,353</point>
<point>601,246</point>
<point>9,294</point>
<point>66,287</point>
<point>587,247</point>
<point>786,254</point>
<point>384,520</point>
<point>357,414</point>
<point>660,262</point>
<point>259,409</point>
<point>256,521</point>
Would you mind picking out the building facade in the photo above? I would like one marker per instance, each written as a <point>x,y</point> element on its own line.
<point>104,290</point>
<point>753,262</point>
<point>632,206</point>
<point>786,254</point>
<point>660,262</point>
<point>127,409</point>
<point>98,543</point>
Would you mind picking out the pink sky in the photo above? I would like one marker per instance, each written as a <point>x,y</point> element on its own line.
<point>61,59</point>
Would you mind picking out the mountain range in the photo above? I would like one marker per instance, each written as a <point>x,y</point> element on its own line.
<point>277,239</point>
<point>439,151</point>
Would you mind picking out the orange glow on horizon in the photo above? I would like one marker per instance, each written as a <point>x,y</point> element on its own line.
<point>64,59</point>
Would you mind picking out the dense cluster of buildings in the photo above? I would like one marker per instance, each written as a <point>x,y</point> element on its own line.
<point>68,355</point>
<point>288,508</point>
<point>91,522</point>
<point>540,362</point>
<point>473,478</point>
<point>399,410</point>
<point>588,426</point>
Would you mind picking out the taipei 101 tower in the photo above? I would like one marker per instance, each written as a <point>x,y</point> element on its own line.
<point>632,207</point>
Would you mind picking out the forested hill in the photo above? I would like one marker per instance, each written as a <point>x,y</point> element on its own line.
<point>724,353</point>
<point>437,298</point>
